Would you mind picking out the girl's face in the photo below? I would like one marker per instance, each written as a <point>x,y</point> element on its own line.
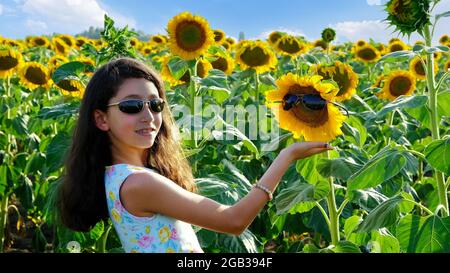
<point>132,131</point>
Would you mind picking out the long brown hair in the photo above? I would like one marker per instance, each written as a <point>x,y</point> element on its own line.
<point>81,194</point>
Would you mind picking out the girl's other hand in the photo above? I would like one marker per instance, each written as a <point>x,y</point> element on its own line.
<point>300,150</point>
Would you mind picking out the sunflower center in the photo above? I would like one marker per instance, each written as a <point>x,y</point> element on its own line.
<point>400,86</point>
<point>418,67</point>
<point>157,40</point>
<point>8,62</point>
<point>36,75</point>
<point>190,36</point>
<point>60,48</point>
<point>274,37</point>
<point>396,47</point>
<point>342,80</point>
<point>39,41</point>
<point>221,64</point>
<point>218,36</point>
<point>367,54</point>
<point>67,85</point>
<point>255,56</point>
<point>290,46</point>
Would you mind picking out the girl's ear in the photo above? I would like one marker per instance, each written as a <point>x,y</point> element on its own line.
<point>100,120</point>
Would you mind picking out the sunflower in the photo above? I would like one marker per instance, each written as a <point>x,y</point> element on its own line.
<point>444,39</point>
<point>226,45</point>
<point>40,41</point>
<point>158,39</point>
<point>328,35</point>
<point>320,43</point>
<point>13,43</point>
<point>290,46</point>
<point>190,36</point>
<point>447,65</point>
<point>398,83</point>
<point>68,39</point>
<point>60,46</point>
<point>89,62</point>
<point>274,37</point>
<point>226,64</point>
<point>417,69</point>
<point>255,55</point>
<point>381,48</point>
<point>33,75</point>
<point>343,75</point>
<point>80,41</point>
<point>360,43</point>
<point>10,60</point>
<point>314,125</point>
<point>408,15</point>
<point>166,74</point>
<point>147,50</point>
<point>219,36</point>
<point>393,40</point>
<point>71,88</point>
<point>55,62</point>
<point>230,40</point>
<point>367,53</point>
<point>397,46</point>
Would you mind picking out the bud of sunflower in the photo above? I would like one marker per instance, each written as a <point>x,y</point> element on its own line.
<point>407,15</point>
<point>328,35</point>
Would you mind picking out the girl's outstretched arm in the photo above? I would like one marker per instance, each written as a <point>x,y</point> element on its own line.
<point>144,193</point>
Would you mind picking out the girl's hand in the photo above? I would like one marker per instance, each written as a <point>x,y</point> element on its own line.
<point>301,150</point>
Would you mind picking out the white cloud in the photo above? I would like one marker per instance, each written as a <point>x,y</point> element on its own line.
<point>374,2</point>
<point>35,25</point>
<point>355,30</point>
<point>1,9</point>
<point>71,16</point>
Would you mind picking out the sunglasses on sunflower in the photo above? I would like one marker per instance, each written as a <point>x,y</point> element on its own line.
<point>135,106</point>
<point>309,101</point>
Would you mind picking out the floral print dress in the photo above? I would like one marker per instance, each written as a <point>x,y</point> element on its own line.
<point>158,233</point>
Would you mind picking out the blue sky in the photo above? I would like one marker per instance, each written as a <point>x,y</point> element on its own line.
<point>353,19</point>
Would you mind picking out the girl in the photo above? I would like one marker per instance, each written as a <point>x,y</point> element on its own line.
<point>125,163</point>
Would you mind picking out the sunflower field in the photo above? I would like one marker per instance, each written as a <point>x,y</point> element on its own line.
<point>384,107</point>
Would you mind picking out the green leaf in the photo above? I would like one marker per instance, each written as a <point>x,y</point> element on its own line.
<point>307,168</point>
<point>396,56</point>
<point>437,154</point>
<point>56,151</point>
<point>215,78</point>
<point>424,234</point>
<point>355,130</point>
<point>350,226</point>
<point>346,247</point>
<point>209,186</point>
<point>96,232</point>
<point>341,168</point>
<point>69,71</point>
<point>384,242</point>
<point>300,193</point>
<point>384,215</point>
<point>64,110</point>
<point>267,79</point>
<point>406,206</point>
<point>381,167</point>
<point>178,67</point>
<point>402,102</point>
<point>444,14</point>
<point>367,199</point>
<point>220,94</point>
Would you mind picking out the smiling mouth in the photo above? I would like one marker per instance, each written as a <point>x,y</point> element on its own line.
<point>145,132</point>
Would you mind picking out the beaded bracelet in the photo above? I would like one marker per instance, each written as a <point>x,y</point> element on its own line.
<point>269,193</point>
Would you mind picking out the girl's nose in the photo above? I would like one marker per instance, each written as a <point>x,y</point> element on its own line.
<point>147,112</point>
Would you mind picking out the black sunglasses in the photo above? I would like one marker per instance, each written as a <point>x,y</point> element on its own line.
<point>135,106</point>
<point>309,101</point>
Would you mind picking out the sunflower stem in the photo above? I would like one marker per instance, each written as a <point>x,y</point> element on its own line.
<point>432,93</point>
<point>192,93</point>
<point>3,218</point>
<point>332,210</point>
<point>257,98</point>
<point>390,120</point>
